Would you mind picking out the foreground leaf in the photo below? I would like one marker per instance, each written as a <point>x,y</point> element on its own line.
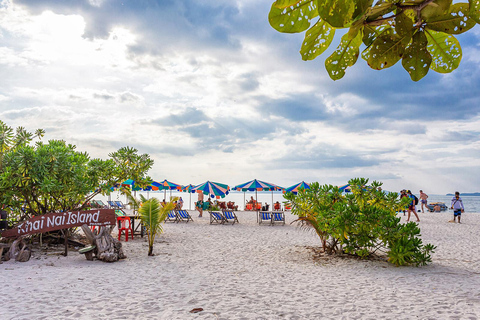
<point>317,39</point>
<point>474,10</point>
<point>344,56</point>
<point>296,18</point>
<point>403,25</point>
<point>435,8</point>
<point>417,59</point>
<point>281,4</point>
<point>386,50</point>
<point>370,33</point>
<point>445,50</point>
<point>456,21</point>
<point>338,13</point>
<point>361,7</point>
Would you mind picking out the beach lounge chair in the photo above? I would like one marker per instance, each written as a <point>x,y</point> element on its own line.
<point>216,217</point>
<point>120,213</point>
<point>171,217</point>
<point>264,216</point>
<point>112,205</point>
<point>230,216</point>
<point>98,204</point>
<point>183,215</point>
<point>120,205</point>
<point>278,216</point>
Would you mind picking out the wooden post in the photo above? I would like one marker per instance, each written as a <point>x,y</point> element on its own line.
<point>65,234</point>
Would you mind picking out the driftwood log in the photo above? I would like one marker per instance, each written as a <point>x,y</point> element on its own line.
<point>4,250</point>
<point>19,251</point>
<point>107,248</point>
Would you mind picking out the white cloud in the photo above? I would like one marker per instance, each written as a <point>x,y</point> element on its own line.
<point>102,93</point>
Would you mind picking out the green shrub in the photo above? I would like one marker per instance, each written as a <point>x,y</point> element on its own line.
<point>360,223</point>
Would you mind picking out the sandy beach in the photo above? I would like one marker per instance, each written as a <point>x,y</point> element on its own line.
<point>247,271</point>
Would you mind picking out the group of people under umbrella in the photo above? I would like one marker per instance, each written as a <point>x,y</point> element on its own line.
<point>217,190</point>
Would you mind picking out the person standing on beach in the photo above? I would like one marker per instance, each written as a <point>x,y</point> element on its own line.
<point>423,199</point>
<point>411,207</point>
<point>457,206</point>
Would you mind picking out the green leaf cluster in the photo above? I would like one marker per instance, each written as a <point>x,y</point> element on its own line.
<point>38,178</point>
<point>420,33</point>
<point>360,223</point>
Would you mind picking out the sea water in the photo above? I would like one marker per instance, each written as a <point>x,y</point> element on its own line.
<point>471,203</point>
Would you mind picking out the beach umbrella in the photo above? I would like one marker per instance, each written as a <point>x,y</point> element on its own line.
<point>166,185</point>
<point>294,189</point>
<point>188,189</point>
<point>257,185</point>
<point>345,188</point>
<point>213,189</point>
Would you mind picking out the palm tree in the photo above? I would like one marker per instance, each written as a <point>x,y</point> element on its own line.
<point>152,215</point>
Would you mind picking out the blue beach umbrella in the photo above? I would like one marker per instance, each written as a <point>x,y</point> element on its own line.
<point>294,189</point>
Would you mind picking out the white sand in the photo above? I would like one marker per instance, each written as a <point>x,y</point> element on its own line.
<point>247,271</point>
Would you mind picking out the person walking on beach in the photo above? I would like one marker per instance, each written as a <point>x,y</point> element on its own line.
<point>180,203</point>
<point>403,194</point>
<point>411,207</point>
<point>423,199</point>
<point>457,206</point>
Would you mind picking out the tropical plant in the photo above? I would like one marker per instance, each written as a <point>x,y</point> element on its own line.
<point>153,214</point>
<point>54,176</point>
<point>361,223</point>
<point>418,32</point>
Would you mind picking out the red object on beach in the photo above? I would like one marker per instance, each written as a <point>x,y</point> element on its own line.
<point>124,225</point>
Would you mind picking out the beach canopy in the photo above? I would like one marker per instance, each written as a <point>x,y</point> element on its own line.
<point>213,189</point>
<point>257,185</point>
<point>166,185</point>
<point>345,188</point>
<point>188,188</point>
<point>128,183</point>
<point>294,189</point>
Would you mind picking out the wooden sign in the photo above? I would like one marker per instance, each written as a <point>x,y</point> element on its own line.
<point>62,220</point>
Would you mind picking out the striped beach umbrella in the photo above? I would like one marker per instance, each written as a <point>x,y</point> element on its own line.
<point>257,185</point>
<point>345,188</point>
<point>213,189</point>
<point>294,189</point>
<point>166,185</point>
<point>188,189</point>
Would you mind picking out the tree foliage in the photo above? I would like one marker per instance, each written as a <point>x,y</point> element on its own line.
<point>418,32</point>
<point>49,177</point>
<point>360,223</point>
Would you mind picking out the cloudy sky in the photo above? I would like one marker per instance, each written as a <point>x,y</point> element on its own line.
<point>212,92</point>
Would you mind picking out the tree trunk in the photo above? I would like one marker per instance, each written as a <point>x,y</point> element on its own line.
<point>150,250</point>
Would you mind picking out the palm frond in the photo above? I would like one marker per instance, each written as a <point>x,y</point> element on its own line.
<point>150,213</point>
